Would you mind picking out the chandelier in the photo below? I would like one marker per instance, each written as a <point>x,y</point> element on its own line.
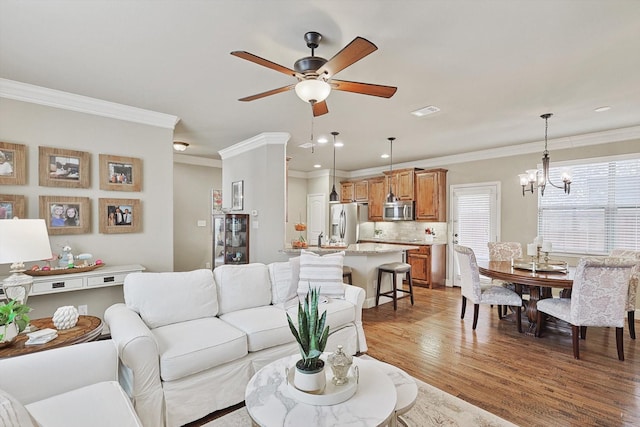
<point>536,178</point>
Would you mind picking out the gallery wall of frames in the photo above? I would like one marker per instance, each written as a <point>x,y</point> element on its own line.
<point>71,169</point>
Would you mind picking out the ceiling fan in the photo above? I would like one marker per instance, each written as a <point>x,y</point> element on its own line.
<point>315,74</point>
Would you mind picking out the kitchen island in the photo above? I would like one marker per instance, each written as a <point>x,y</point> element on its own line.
<point>364,259</point>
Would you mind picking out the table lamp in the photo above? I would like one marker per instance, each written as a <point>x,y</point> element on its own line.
<point>22,240</point>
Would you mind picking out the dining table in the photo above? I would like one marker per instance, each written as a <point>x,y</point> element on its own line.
<point>539,283</point>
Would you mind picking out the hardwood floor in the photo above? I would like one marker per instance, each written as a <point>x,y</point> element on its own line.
<point>526,380</point>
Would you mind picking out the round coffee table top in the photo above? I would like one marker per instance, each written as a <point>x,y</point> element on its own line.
<point>87,329</point>
<point>269,403</point>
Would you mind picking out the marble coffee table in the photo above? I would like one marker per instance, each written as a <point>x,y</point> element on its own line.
<point>270,403</point>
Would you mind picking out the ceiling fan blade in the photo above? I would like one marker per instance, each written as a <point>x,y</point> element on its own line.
<point>267,93</point>
<point>265,63</point>
<point>320,108</point>
<point>351,53</point>
<point>364,88</point>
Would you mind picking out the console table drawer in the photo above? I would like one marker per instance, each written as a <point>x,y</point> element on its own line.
<point>106,280</point>
<point>56,285</point>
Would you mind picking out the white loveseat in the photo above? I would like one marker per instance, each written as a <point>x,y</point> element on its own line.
<point>65,387</point>
<point>189,342</point>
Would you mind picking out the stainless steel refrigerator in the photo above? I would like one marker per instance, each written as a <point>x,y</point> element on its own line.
<point>344,221</point>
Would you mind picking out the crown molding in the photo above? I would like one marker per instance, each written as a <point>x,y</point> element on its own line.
<point>252,143</point>
<point>83,104</point>
<point>576,141</point>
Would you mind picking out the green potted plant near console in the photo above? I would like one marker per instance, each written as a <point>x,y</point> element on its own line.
<point>312,338</point>
<point>13,320</point>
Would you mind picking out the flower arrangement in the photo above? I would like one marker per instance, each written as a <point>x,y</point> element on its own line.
<point>311,334</point>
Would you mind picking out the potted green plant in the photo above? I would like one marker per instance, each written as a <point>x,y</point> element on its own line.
<point>13,320</point>
<point>312,338</point>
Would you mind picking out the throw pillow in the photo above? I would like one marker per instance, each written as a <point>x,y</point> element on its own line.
<point>282,289</point>
<point>324,272</point>
<point>13,413</point>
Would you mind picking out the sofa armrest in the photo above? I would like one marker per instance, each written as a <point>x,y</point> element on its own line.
<point>36,376</point>
<point>356,296</point>
<point>138,352</point>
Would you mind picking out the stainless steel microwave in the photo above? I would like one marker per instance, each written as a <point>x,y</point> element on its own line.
<point>398,211</point>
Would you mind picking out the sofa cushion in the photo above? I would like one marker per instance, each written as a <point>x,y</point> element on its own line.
<point>283,288</point>
<point>13,413</point>
<point>189,347</point>
<point>265,326</point>
<point>166,298</point>
<point>323,272</point>
<point>103,404</point>
<point>339,313</point>
<point>242,286</point>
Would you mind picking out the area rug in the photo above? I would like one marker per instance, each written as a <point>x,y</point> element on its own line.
<point>433,407</point>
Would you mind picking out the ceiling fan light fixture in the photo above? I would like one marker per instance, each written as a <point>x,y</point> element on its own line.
<point>180,146</point>
<point>313,90</point>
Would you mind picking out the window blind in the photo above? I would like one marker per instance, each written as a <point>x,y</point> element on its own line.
<point>601,213</point>
<point>474,222</point>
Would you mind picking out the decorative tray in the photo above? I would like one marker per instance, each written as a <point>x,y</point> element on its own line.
<point>57,271</point>
<point>544,267</point>
<point>331,395</point>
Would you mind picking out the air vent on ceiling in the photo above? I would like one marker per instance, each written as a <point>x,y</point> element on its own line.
<point>425,111</point>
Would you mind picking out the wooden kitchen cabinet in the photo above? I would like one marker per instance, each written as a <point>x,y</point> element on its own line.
<point>402,183</point>
<point>428,265</point>
<point>431,195</point>
<point>377,193</point>
<point>354,191</point>
<point>346,192</point>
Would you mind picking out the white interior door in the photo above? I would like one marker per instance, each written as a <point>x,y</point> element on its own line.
<point>475,221</point>
<point>316,217</point>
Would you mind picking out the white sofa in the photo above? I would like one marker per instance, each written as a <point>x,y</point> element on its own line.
<point>189,342</point>
<point>65,387</point>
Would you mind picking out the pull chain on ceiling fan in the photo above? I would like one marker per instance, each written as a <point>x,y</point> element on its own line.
<point>315,74</point>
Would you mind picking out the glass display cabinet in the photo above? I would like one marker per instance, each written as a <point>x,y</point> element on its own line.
<point>230,239</point>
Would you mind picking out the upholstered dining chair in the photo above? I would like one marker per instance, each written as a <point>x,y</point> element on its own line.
<point>598,298</point>
<point>634,282</point>
<point>504,251</point>
<point>477,294</point>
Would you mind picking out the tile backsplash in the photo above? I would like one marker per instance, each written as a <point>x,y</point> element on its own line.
<point>403,230</point>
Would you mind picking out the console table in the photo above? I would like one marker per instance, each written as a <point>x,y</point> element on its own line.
<point>98,278</point>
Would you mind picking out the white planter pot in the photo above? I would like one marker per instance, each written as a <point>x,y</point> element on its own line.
<point>9,332</point>
<point>310,382</point>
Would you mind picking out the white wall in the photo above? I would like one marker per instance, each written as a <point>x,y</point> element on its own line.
<point>192,185</point>
<point>36,125</point>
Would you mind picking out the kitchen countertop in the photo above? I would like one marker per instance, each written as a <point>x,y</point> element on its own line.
<point>357,249</point>
<point>401,242</point>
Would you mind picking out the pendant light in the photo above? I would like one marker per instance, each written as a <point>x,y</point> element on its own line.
<point>535,178</point>
<point>391,198</point>
<point>333,197</point>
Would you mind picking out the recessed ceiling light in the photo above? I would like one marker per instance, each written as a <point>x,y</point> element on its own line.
<point>425,111</point>
<point>385,156</point>
<point>603,108</point>
<point>322,140</point>
<point>317,166</point>
<point>338,144</point>
<point>306,145</point>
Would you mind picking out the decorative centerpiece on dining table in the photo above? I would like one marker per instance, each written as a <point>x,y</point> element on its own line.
<point>311,335</point>
<point>534,251</point>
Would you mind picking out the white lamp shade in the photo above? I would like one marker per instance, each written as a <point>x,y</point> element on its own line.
<point>313,90</point>
<point>23,240</point>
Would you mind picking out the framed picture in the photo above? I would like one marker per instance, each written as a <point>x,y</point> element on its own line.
<point>119,216</point>
<point>11,206</point>
<point>66,215</point>
<point>237,196</point>
<point>120,173</point>
<point>13,164</point>
<point>64,168</point>
<point>216,201</point>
